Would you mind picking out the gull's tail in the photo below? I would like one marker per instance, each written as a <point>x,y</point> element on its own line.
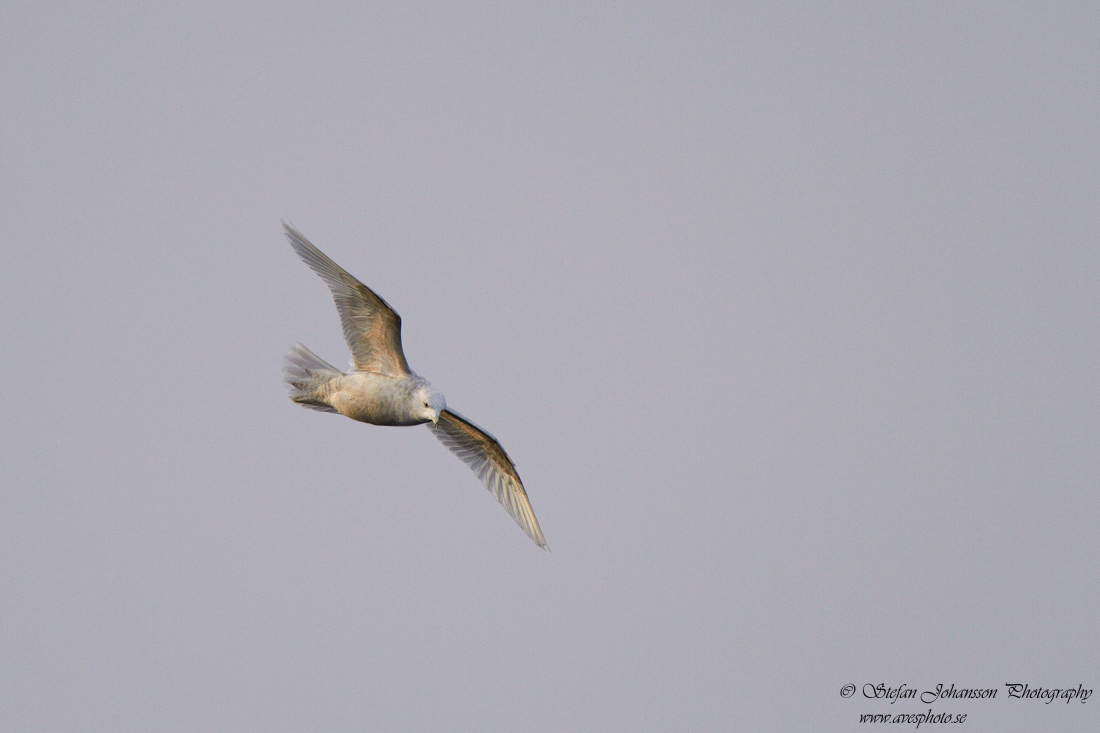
<point>308,375</point>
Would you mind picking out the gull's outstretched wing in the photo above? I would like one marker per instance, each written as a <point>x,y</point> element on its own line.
<point>481,452</point>
<point>371,328</point>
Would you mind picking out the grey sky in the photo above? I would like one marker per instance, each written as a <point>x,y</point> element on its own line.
<point>788,317</point>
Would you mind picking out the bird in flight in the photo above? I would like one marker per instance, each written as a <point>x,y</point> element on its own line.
<point>381,389</point>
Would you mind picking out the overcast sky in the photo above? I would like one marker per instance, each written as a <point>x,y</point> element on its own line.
<point>787,316</point>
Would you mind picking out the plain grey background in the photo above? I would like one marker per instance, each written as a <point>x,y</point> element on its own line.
<point>787,315</point>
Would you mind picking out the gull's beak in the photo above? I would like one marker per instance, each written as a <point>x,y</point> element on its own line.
<point>435,418</point>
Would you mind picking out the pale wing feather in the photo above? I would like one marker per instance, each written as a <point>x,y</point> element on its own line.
<point>481,452</point>
<point>371,328</point>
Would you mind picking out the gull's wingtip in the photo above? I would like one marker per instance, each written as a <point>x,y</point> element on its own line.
<point>535,533</point>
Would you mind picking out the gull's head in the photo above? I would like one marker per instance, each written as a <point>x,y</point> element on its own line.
<point>429,402</point>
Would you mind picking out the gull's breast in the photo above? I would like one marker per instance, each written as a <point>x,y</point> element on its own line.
<point>374,398</point>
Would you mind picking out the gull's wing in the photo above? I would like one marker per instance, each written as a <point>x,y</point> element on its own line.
<point>371,328</point>
<point>481,452</point>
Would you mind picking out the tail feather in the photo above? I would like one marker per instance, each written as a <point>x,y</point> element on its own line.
<point>306,375</point>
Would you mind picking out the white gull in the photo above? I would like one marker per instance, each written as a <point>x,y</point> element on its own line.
<point>381,389</point>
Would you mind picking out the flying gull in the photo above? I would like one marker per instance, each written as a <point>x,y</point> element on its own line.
<point>381,389</point>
